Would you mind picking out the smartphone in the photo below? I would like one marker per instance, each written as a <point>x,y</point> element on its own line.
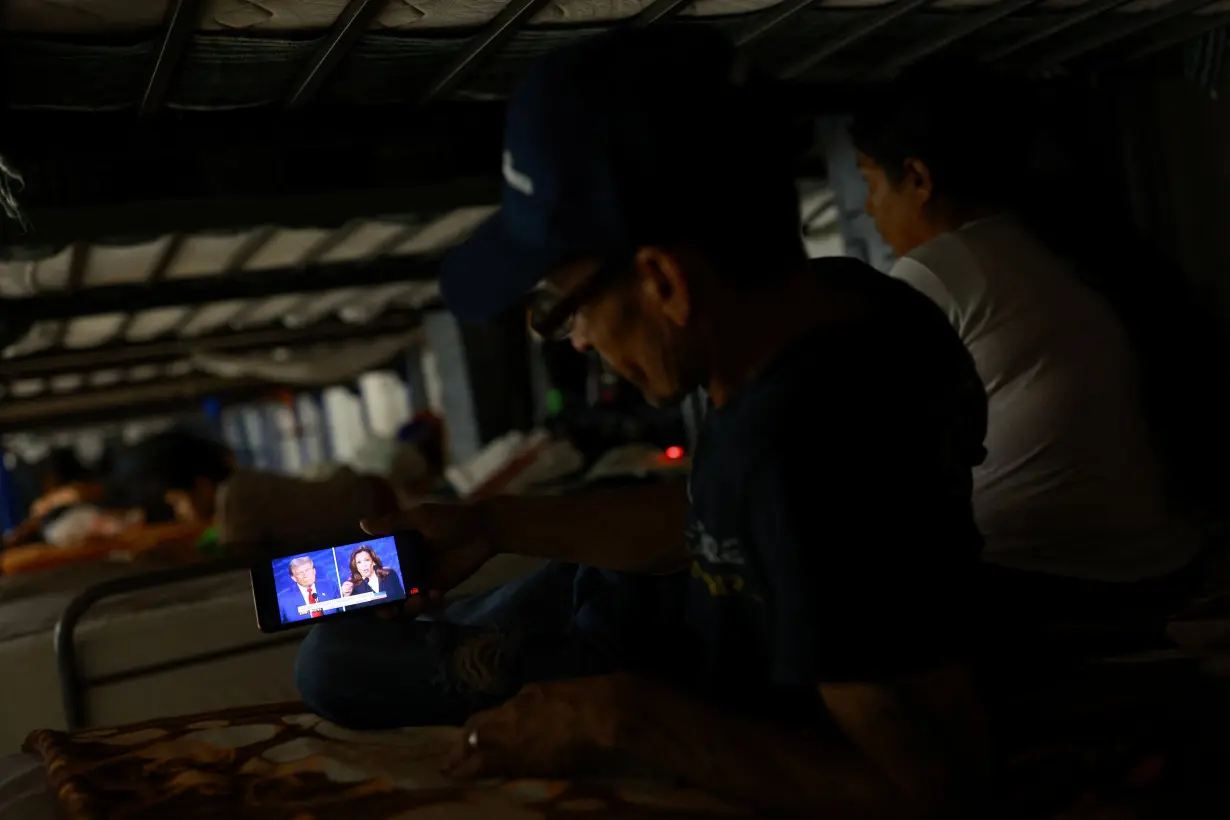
<point>309,586</point>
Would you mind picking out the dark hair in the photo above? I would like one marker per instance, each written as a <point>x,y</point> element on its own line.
<point>177,458</point>
<point>63,467</point>
<point>173,460</point>
<point>967,124</point>
<point>377,564</point>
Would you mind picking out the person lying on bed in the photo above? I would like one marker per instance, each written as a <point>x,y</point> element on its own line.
<point>198,479</point>
<point>814,659</point>
<point>65,482</point>
<point>176,468</point>
<point>369,574</point>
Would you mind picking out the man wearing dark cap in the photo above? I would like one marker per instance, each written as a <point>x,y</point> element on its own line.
<point>808,653</point>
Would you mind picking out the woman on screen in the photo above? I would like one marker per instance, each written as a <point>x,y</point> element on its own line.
<point>369,574</point>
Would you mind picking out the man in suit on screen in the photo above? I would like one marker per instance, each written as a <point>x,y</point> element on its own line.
<point>307,590</point>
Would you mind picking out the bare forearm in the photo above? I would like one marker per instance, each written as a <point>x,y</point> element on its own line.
<point>767,766</point>
<point>632,529</point>
<point>23,533</point>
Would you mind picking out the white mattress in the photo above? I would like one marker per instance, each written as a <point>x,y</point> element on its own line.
<point>271,16</point>
<point>138,630</point>
<point>95,16</point>
<point>147,628</point>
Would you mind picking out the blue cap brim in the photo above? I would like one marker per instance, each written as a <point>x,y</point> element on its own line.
<point>492,272</point>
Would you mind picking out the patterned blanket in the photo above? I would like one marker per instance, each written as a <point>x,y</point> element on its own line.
<point>1093,752</point>
<point>278,763</point>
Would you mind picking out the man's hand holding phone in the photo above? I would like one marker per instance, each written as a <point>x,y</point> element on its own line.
<point>457,545</point>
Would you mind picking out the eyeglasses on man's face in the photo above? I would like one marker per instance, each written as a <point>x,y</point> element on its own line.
<point>553,310</point>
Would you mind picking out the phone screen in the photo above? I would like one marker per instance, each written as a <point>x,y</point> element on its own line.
<point>303,588</point>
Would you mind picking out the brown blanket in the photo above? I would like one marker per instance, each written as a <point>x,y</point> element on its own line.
<point>278,763</point>
<point>1114,745</point>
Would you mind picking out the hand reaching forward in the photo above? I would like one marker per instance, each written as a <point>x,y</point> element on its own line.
<point>457,544</point>
<point>546,730</point>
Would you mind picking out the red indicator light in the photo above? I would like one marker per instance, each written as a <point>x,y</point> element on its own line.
<point>414,590</point>
<point>674,453</point>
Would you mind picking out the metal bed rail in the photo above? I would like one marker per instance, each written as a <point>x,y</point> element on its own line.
<point>75,684</point>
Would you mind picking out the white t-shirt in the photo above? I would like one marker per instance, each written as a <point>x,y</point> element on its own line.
<point>1072,484</point>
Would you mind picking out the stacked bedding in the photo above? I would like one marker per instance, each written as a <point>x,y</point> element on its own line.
<point>263,16</point>
<point>94,55</point>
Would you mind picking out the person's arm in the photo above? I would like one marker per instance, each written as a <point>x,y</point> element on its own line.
<point>76,493</point>
<point>878,624</point>
<point>915,747</point>
<point>912,747</point>
<point>632,529</point>
<point>25,532</point>
<point>629,529</point>
<point>867,593</point>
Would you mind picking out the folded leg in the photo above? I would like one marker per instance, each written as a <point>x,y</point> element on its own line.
<point>370,673</point>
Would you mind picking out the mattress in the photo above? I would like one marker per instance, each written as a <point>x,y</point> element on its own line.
<point>32,604</point>
<point>151,628</point>
<point>257,16</point>
<point>115,16</point>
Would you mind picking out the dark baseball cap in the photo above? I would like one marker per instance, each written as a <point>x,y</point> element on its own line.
<point>629,138</point>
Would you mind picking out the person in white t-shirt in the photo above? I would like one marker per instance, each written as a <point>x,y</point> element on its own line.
<point>1072,491</point>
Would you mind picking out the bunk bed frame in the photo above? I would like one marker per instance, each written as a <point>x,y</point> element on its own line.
<point>76,682</point>
<point>145,148</point>
<point>189,190</point>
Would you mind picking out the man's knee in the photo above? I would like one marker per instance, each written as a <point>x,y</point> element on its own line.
<point>369,673</point>
<point>348,670</point>
<point>324,677</point>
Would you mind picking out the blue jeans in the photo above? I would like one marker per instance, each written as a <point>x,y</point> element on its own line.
<point>562,621</point>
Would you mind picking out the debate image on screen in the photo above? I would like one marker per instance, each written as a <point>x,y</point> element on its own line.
<point>369,572</point>
<point>313,584</point>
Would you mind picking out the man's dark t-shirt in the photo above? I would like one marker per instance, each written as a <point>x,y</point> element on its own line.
<point>831,526</point>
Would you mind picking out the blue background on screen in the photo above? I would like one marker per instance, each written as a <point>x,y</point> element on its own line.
<point>285,585</point>
<point>385,548</point>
